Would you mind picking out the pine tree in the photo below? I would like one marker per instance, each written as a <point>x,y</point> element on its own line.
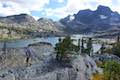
<point>102,48</point>
<point>82,46</point>
<point>116,49</point>
<point>89,48</point>
<point>64,48</point>
<point>118,39</point>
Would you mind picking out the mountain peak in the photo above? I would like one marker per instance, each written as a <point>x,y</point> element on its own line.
<point>89,21</point>
<point>100,7</point>
<point>44,19</point>
<point>104,10</point>
<point>18,15</point>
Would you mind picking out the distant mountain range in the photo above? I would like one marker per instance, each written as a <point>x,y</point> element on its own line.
<point>102,21</point>
<point>28,22</point>
<point>87,21</point>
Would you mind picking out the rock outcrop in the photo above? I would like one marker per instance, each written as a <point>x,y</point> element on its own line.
<point>16,57</point>
<point>43,65</point>
<point>22,21</point>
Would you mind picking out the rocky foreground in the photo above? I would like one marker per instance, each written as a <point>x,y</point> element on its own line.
<point>42,65</point>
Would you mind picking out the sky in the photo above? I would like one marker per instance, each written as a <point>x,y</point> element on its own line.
<point>53,9</point>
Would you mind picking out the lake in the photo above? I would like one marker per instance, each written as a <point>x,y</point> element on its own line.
<point>53,40</point>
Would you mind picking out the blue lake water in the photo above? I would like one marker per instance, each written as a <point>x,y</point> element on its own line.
<point>25,42</point>
<point>53,40</point>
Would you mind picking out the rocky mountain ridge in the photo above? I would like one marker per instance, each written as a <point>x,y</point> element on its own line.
<point>102,21</point>
<point>88,21</point>
<point>24,24</point>
<point>27,21</point>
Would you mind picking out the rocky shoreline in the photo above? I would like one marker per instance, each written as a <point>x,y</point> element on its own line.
<point>14,55</point>
<point>43,65</point>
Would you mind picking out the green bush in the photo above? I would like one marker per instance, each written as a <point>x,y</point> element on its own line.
<point>64,48</point>
<point>112,70</point>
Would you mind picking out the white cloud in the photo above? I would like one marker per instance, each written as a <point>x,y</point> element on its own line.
<point>60,1</point>
<point>11,7</point>
<point>29,4</point>
<point>58,12</point>
<point>73,6</point>
<point>8,7</point>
